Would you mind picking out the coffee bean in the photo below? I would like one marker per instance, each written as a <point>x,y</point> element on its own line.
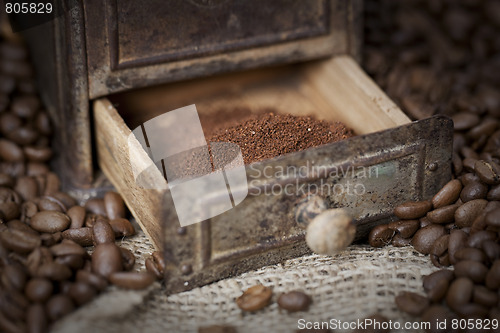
<point>128,259</point>
<point>470,253</point>
<point>494,193</point>
<point>439,255</point>
<point>159,261</point>
<point>399,241</point>
<point>115,208</point>
<point>19,241</point>
<point>25,106</point>
<point>58,306</point>
<point>443,215</point>
<point>465,214</point>
<point>459,292</point>
<point>380,236</point>
<point>412,210</point>
<point>13,277</point>
<point>122,227</point>
<point>94,280</point>
<point>412,303</point>
<point>492,219</point>
<point>294,301</point>
<point>27,188</point>
<point>10,152</point>
<point>38,257</point>
<point>43,123</point>
<point>464,120</point>
<point>103,232</point>
<point>52,189</point>
<point>77,216</point>
<point>473,270</point>
<point>50,221</point>
<point>81,236</point>
<point>493,277</point>
<point>436,284</point>
<point>81,293</point>
<point>67,247</point>
<point>217,329</point>
<point>24,135</point>
<point>9,122</point>
<point>18,225</point>
<point>54,271</point>
<point>65,198</point>
<point>254,298</point>
<point>488,172</point>
<point>474,190</point>
<point>38,290</point>
<point>484,296</point>
<point>486,127</point>
<point>491,249</point>
<point>132,280</point>
<point>468,164</point>
<point>72,261</point>
<point>458,166</point>
<point>9,211</point>
<point>477,239</point>
<point>448,194</point>
<point>36,319</point>
<point>152,268</point>
<point>96,206</point>
<point>106,259</point>
<point>37,154</point>
<point>405,228</point>
<point>424,238</point>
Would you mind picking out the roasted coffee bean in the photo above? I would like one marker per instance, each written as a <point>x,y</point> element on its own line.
<point>77,216</point>
<point>24,135</point>
<point>494,193</point>
<point>466,213</point>
<point>122,227</point>
<point>50,221</point>
<point>468,164</point>
<point>9,122</point>
<point>65,198</point>
<point>36,169</point>
<point>19,241</point>
<point>412,210</point>
<point>459,293</point>
<point>94,280</point>
<point>473,270</point>
<point>52,188</point>
<point>13,277</point>
<point>128,259</point>
<point>492,249</point>
<point>67,247</point>
<point>72,261</point>
<point>18,225</point>
<point>484,296</point>
<point>439,255</point>
<point>26,187</point>
<point>424,238</point>
<point>36,319</point>
<point>474,190</point>
<point>25,106</point>
<point>6,180</point>
<point>81,236</point>
<point>405,228</point>
<point>469,153</point>
<point>96,206</point>
<point>294,301</point>
<point>9,211</point>
<point>254,298</point>
<point>458,166</point>
<point>54,271</point>
<point>90,219</point>
<point>38,290</point>
<point>464,120</point>
<point>486,127</point>
<point>152,268</point>
<point>448,194</point>
<point>493,277</point>
<point>48,204</point>
<point>131,280</point>
<point>103,232</point>
<point>492,219</point>
<point>58,306</point>
<point>10,152</point>
<point>436,284</point>
<point>470,253</point>
<point>488,172</point>
<point>412,303</point>
<point>50,239</point>
<point>106,259</point>
<point>380,236</point>
<point>37,154</point>
<point>399,241</point>
<point>217,329</point>
<point>38,257</point>
<point>43,123</point>
<point>477,239</point>
<point>443,215</point>
<point>81,293</point>
<point>115,208</point>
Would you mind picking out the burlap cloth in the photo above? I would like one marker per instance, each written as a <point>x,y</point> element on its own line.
<point>349,286</point>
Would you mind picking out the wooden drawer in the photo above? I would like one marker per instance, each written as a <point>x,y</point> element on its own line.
<point>413,159</point>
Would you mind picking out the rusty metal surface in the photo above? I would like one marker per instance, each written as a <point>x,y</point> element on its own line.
<point>136,44</point>
<point>410,162</point>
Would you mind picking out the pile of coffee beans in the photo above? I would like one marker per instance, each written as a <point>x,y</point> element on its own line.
<point>439,57</point>
<point>46,270</point>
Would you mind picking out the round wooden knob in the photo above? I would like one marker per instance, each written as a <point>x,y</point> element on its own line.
<point>330,232</point>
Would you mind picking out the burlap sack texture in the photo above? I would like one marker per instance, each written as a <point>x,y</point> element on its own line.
<point>349,286</point>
